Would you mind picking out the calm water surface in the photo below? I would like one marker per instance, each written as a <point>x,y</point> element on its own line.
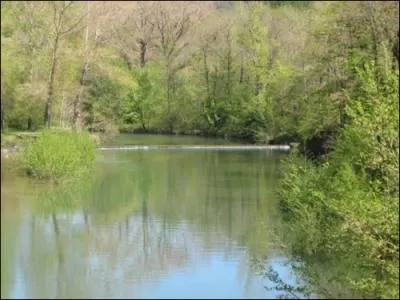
<point>146,224</point>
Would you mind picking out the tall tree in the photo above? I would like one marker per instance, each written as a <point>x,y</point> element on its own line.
<point>62,25</point>
<point>172,22</point>
<point>97,17</point>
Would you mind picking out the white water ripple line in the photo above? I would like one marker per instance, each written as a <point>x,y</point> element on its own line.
<point>198,147</point>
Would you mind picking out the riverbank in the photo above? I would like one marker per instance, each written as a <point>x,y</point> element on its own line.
<point>198,147</point>
<point>8,152</point>
<point>13,141</point>
<point>284,139</point>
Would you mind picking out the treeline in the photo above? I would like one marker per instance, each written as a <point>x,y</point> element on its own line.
<point>264,71</point>
<point>343,208</point>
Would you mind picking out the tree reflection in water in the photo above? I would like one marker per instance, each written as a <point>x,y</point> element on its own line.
<point>153,214</point>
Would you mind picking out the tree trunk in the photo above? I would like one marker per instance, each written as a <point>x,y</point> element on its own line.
<point>77,121</point>
<point>170,121</point>
<point>77,112</point>
<point>168,92</point>
<point>142,120</point>
<point>2,101</point>
<point>143,48</point>
<point>206,73</point>
<point>396,50</point>
<point>241,70</point>
<point>2,115</point>
<point>207,104</point>
<point>30,123</point>
<point>229,71</point>
<point>49,101</point>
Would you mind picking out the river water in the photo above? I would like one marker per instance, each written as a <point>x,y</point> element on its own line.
<point>147,224</point>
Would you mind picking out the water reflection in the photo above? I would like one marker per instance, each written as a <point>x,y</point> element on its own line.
<point>156,225</point>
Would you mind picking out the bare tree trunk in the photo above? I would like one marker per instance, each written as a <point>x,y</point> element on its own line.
<point>396,49</point>
<point>143,49</point>
<point>213,103</point>
<point>229,69</point>
<point>168,92</point>
<point>373,27</point>
<point>207,104</point>
<point>2,115</point>
<point>77,121</point>
<point>142,121</point>
<point>30,127</point>
<point>170,121</point>
<point>49,101</point>
<point>59,30</point>
<point>206,72</point>
<point>241,70</point>
<point>2,101</point>
<point>77,109</point>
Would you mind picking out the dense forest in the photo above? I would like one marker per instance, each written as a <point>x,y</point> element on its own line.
<point>324,74</point>
<point>263,71</point>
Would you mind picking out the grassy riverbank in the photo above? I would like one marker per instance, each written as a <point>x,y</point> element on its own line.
<point>55,154</point>
<point>15,138</point>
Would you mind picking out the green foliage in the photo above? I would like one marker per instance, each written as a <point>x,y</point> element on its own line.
<point>347,209</point>
<point>299,4</point>
<point>58,155</point>
<point>140,105</point>
<point>258,72</point>
<point>104,103</point>
<point>370,138</point>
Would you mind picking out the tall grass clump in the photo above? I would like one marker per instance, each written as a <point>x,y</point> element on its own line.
<point>59,155</point>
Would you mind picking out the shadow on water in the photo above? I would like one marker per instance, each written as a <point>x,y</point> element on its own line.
<point>150,225</point>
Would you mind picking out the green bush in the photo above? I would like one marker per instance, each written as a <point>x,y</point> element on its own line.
<point>346,210</point>
<point>59,155</point>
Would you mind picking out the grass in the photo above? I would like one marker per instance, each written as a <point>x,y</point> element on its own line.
<point>58,154</point>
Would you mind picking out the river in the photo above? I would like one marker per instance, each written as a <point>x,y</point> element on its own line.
<point>147,224</point>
